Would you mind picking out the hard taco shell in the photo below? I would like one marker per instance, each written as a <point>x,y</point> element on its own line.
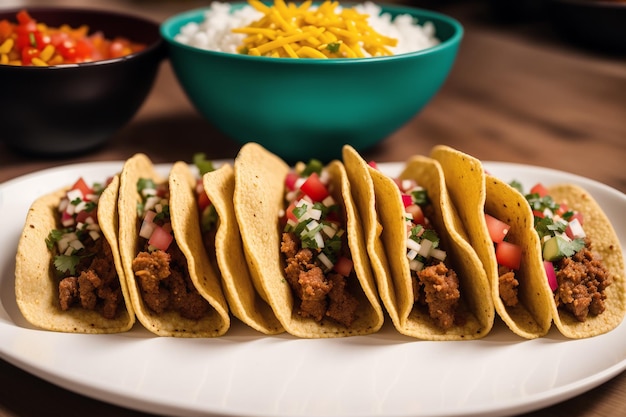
<point>244,301</point>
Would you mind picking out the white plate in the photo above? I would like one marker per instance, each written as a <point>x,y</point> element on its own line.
<point>248,374</point>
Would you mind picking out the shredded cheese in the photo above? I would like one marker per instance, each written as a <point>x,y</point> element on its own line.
<point>288,30</point>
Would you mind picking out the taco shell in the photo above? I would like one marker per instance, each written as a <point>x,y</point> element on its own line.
<point>258,200</point>
<point>36,287</point>
<point>244,301</point>
<point>186,230</point>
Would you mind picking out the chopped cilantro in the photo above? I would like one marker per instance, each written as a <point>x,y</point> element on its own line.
<point>164,214</point>
<point>314,165</point>
<point>204,165</point>
<point>420,197</point>
<point>333,47</point>
<point>299,211</point>
<point>209,218</point>
<point>66,263</point>
<point>144,183</point>
<point>53,237</point>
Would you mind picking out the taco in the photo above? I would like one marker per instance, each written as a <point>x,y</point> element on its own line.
<point>225,243</point>
<point>304,245</point>
<point>68,273</point>
<point>429,278</point>
<point>499,226</point>
<point>582,258</point>
<point>174,292</point>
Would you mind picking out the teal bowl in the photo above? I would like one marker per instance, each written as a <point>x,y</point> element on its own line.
<point>309,108</point>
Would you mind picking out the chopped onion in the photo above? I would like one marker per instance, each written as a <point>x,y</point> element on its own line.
<point>413,245</point>
<point>416,265</point>
<point>426,247</point>
<point>324,259</point>
<point>438,254</point>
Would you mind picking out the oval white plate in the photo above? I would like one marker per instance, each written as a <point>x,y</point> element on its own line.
<point>245,373</point>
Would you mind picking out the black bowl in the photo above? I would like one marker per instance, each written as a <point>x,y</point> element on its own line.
<point>71,109</point>
<point>593,24</point>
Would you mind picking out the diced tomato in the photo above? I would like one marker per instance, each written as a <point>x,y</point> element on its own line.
<point>160,239</point>
<point>343,266</point>
<point>561,210</point>
<point>509,254</point>
<point>28,53</point>
<point>497,228</point>
<point>289,212</point>
<point>539,189</point>
<point>23,17</point>
<point>83,215</point>
<point>577,215</point>
<point>539,214</point>
<point>417,213</point>
<point>373,164</point>
<point>82,186</point>
<point>84,49</point>
<point>314,188</point>
<point>290,180</point>
<point>203,201</point>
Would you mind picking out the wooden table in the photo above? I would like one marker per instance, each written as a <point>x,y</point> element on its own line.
<point>518,93</point>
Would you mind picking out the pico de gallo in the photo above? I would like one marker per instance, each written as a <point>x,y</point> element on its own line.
<point>314,246</point>
<point>154,210</point>
<point>83,259</point>
<point>208,214</point>
<point>575,275</point>
<point>434,284</point>
<point>508,257</point>
<point>28,42</point>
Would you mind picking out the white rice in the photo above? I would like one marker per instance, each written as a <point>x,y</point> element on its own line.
<point>215,31</point>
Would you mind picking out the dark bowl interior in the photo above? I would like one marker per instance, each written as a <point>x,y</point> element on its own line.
<point>72,109</point>
<point>593,24</point>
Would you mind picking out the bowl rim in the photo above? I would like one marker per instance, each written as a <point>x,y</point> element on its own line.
<point>424,14</point>
<point>153,47</point>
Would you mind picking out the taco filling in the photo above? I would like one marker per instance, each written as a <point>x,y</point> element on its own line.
<point>435,286</point>
<point>160,267</point>
<point>83,259</point>
<point>576,275</point>
<point>206,210</point>
<point>317,261</point>
<point>508,257</point>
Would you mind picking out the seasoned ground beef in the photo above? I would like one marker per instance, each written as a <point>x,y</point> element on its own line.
<point>508,287</point>
<point>165,283</point>
<point>582,280</point>
<point>319,295</point>
<point>437,287</point>
<point>95,286</point>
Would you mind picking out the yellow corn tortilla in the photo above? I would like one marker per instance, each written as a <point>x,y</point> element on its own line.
<point>186,230</point>
<point>605,243</point>
<point>258,200</point>
<point>37,288</point>
<point>473,192</point>
<point>244,301</point>
<point>385,230</point>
